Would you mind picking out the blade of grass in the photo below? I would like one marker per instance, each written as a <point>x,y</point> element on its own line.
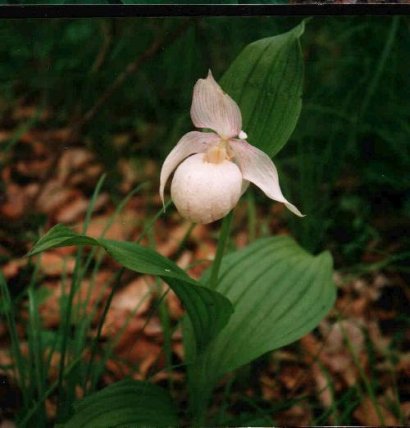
<point>20,367</point>
<point>85,319</point>
<point>331,414</point>
<point>163,311</point>
<point>369,389</point>
<point>350,404</point>
<point>39,376</point>
<point>112,345</point>
<point>99,365</point>
<point>65,397</point>
<point>94,250</point>
<point>31,412</point>
<point>396,403</point>
<point>346,402</point>
<point>107,305</point>
<point>126,360</point>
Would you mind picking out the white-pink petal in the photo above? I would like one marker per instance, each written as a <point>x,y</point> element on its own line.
<point>257,167</point>
<point>190,143</point>
<point>214,109</point>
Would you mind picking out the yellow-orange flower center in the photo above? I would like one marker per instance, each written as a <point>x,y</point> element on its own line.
<point>218,153</point>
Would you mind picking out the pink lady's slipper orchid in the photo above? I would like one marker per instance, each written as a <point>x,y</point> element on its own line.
<point>213,169</point>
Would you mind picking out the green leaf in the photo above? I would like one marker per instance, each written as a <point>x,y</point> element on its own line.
<point>279,293</point>
<point>60,236</point>
<point>207,309</point>
<point>266,81</point>
<point>124,404</point>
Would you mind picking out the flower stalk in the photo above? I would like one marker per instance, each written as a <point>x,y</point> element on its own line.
<point>222,243</point>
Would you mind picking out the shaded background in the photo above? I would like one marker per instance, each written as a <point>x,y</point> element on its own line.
<point>354,124</point>
<point>88,96</point>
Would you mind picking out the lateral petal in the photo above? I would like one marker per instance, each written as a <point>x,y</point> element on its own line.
<point>190,143</point>
<point>258,168</point>
<point>214,109</point>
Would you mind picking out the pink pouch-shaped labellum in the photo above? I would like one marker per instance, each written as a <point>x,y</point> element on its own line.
<point>191,143</point>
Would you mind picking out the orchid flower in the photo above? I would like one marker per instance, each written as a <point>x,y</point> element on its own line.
<point>213,169</point>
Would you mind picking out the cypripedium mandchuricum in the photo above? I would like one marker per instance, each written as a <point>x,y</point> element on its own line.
<point>213,169</point>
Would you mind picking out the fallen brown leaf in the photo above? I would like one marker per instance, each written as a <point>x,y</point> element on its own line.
<point>136,294</point>
<point>120,229</point>
<point>53,264</point>
<point>72,211</point>
<point>15,204</point>
<point>71,160</point>
<point>54,195</point>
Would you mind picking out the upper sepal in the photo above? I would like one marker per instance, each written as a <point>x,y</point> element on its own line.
<point>214,109</point>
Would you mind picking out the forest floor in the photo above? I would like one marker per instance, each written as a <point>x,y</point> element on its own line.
<point>353,368</point>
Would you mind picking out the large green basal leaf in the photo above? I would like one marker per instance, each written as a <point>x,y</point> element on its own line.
<point>266,81</point>
<point>125,404</point>
<point>207,309</point>
<point>279,293</point>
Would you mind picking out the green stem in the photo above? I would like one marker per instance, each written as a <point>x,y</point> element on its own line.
<point>200,386</point>
<point>200,392</point>
<point>223,239</point>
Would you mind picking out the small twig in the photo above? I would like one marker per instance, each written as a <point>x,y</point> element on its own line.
<point>106,32</point>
